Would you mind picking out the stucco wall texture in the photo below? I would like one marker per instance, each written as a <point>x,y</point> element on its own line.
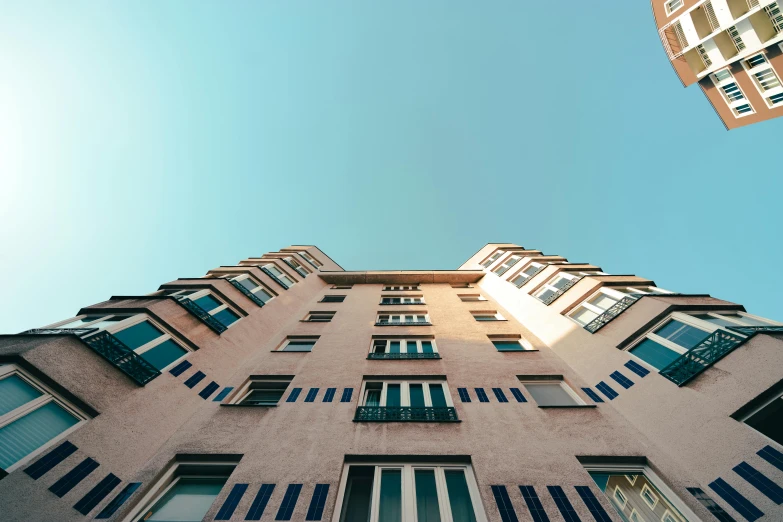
<point>685,433</point>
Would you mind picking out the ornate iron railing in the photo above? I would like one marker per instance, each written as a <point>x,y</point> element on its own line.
<point>396,356</point>
<point>202,314</point>
<point>384,302</point>
<point>299,271</point>
<point>710,350</point>
<point>274,277</point>
<point>613,311</point>
<point>59,331</point>
<point>551,299</point>
<point>121,356</point>
<point>402,323</point>
<point>531,276</point>
<point>405,414</point>
<point>753,330</point>
<point>250,295</point>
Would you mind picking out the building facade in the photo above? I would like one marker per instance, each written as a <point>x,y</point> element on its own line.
<point>519,387</point>
<point>732,48</point>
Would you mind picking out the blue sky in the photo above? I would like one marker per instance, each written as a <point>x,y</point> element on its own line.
<point>141,142</point>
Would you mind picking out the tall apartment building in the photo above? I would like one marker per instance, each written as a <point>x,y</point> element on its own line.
<point>732,48</point>
<point>519,387</point>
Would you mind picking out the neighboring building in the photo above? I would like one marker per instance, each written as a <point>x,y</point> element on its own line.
<point>518,387</point>
<point>732,48</point>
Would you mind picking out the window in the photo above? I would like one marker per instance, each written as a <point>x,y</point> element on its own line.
<point>765,78</point>
<point>467,298</point>
<point>137,332</point>
<point>297,266</point>
<point>333,299</point>
<point>682,332</point>
<point>392,400</point>
<point>32,417</point>
<point>487,315</point>
<point>511,344</point>
<point>262,390</point>
<point>522,277</point>
<point>551,391</point>
<point>402,300</point>
<point>298,344</point>
<point>185,492</point>
<point>461,285</point>
<point>731,92</point>
<point>207,301</point>
<point>491,259</point>
<point>277,274</point>
<point>605,298</point>
<point>672,5</point>
<point>400,288</point>
<point>310,259</point>
<point>342,287</point>
<point>409,345</point>
<point>319,317</point>
<point>402,319</point>
<point>763,414</point>
<point>560,283</point>
<point>250,284</point>
<point>641,500</point>
<point>409,492</point>
<point>506,266</point>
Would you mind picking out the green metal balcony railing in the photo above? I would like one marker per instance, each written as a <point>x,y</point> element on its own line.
<point>398,356</point>
<point>59,331</point>
<point>201,314</point>
<point>405,414</point>
<point>613,311</point>
<point>250,295</point>
<point>403,323</point>
<point>121,356</point>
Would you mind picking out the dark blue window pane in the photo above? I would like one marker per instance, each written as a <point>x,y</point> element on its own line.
<point>654,354</point>
<point>681,333</point>
<point>226,316</point>
<point>207,302</point>
<point>164,354</point>
<point>138,334</point>
<point>437,396</point>
<point>507,346</point>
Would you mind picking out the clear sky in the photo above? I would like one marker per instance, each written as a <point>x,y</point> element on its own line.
<point>154,140</point>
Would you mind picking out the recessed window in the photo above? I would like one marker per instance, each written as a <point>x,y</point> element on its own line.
<point>333,299</point>
<point>262,391</point>
<point>764,413</point>
<point>461,285</point>
<point>522,277</point>
<point>277,274</point>
<point>186,491</point>
<point>392,400</point>
<point>319,317</point>
<point>400,288</point>
<point>506,265</point>
<point>605,298</point>
<point>32,417</point>
<point>210,304</point>
<point>559,284</point>
<point>487,315</point>
<point>407,348</point>
<point>402,319</point>
<point>468,298</point>
<point>410,492</point>
<point>491,259</point>
<point>402,300</point>
<point>138,332</point>
<point>342,287</point>
<point>552,392</point>
<point>251,285</point>
<point>765,78</point>
<point>639,500</point>
<point>510,344</point>
<point>682,332</point>
<point>298,344</point>
<point>297,266</point>
<point>672,5</point>
<point>310,259</point>
<point>731,92</point>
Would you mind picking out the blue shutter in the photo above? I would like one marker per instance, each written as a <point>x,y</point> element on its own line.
<point>760,481</point>
<point>195,379</point>
<point>311,395</point>
<point>347,393</point>
<point>228,507</point>
<point>97,494</point>
<point>317,503</point>
<point>501,397</point>
<point>119,500</point>
<point>289,502</point>
<point>73,477</point>
<point>637,368</point>
<point>50,460</point>
<point>733,497</point>
<point>294,395</point>
<point>180,368</point>
<point>595,507</point>
<point>259,503</point>
<point>533,504</point>
<point>563,504</point>
<point>329,395</point>
<point>208,390</point>
<point>711,505</point>
<point>517,393</point>
<point>606,390</point>
<point>772,456</point>
<point>594,396</point>
<point>482,397</point>
<point>463,394</point>
<point>223,394</point>
<point>504,504</point>
<point>624,381</point>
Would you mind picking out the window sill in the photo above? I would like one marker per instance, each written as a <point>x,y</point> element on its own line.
<point>306,321</point>
<point>492,321</point>
<point>403,324</point>
<point>401,304</point>
<point>250,405</point>
<point>291,351</point>
<point>402,356</point>
<point>571,406</point>
<point>521,350</point>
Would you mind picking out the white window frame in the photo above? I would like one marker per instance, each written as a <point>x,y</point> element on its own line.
<point>309,318</point>
<point>401,288</point>
<point>668,517</point>
<point>127,322</point>
<point>578,400</point>
<point>409,341</point>
<point>206,291</point>
<point>504,267</point>
<point>471,298</point>
<point>169,479</point>
<point>652,477</point>
<point>733,104</point>
<point>403,299</point>
<point>690,320</point>
<point>492,258</point>
<point>487,313</point>
<point>623,499</point>
<point>280,274</point>
<point>48,395</point>
<point>651,493</point>
<point>289,340</point>
<point>524,344</point>
<point>634,516</point>
<point>297,266</point>
<point>763,67</point>
<point>667,5</point>
<point>310,259</point>
<point>245,390</point>
<point>523,273</point>
<point>405,397</point>
<point>409,492</point>
<point>400,315</point>
<point>550,284</point>
<point>614,292</point>
<point>260,287</point>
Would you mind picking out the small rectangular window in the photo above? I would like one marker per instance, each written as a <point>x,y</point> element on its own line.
<point>262,390</point>
<point>402,319</point>
<point>409,288</point>
<point>551,391</point>
<point>250,284</point>
<point>411,347</point>
<point>491,259</point>
<point>333,299</point>
<point>672,5</point>
<point>488,315</point>
<point>468,298</point>
<point>310,259</point>
<point>297,266</point>
<point>298,344</point>
<point>210,304</point>
<point>342,287</point>
<point>403,300</point>
<point>510,345</point>
<point>319,317</point>
<point>278,275</point>
<point>506,265</point>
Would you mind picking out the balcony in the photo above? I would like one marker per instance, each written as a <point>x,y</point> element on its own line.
<point>250,295</point>
<point>402,356</point>
<point>402,323</point>
<point>201,314</point>
<point>405,414</point>
<point>613,311</point>
<point>274,278</point>
<point>551,299</point>
<point>298,270</point>
<point>122,357</point>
